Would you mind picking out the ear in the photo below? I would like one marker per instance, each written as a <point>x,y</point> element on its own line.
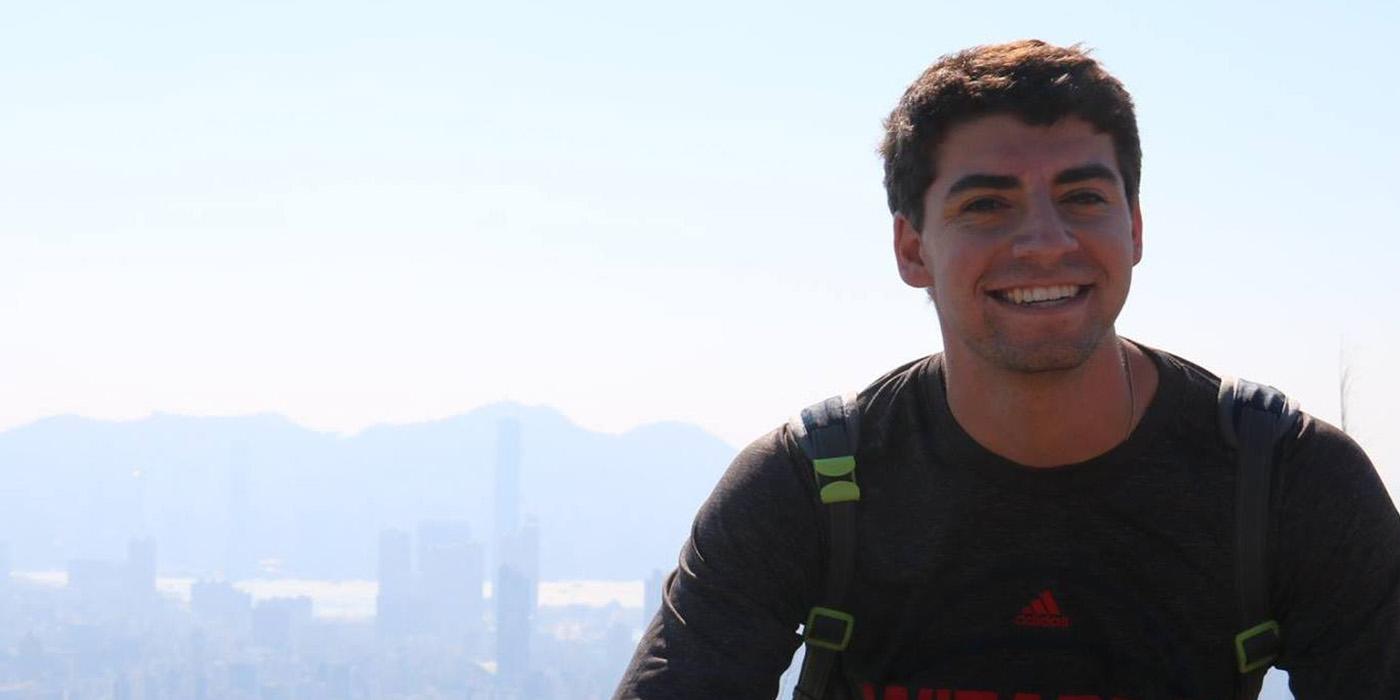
<point>909,254</point>
<point>1137,233</point>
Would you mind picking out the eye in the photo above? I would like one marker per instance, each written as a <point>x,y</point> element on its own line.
<point>1086,197</point>
<point>983,205</point>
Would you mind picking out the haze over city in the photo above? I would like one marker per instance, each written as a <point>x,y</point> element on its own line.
<point>273,278</point>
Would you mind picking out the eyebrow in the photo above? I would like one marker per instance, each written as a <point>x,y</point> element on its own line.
<point>979,181</point>
<point>1092,171</point>
<point>983,181</point>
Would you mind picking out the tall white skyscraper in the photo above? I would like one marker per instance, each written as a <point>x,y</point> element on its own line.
<point>507,503</point>
<point>517,583</point>
<point>516,565</point>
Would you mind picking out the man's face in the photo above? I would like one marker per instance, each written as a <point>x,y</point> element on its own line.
<point>1028,242</point>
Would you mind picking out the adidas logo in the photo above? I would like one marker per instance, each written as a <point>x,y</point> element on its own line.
<point>1042,612</point>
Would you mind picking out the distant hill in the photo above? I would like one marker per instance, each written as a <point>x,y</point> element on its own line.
<point>222,494</point>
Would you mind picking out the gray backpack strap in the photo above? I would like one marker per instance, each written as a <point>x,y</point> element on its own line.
<point>828,433</point>
<point>1253,419</point>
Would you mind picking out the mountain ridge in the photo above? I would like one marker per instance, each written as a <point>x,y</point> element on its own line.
<point>260,494</point>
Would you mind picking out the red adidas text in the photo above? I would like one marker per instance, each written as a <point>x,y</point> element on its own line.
<point>1042,612</point>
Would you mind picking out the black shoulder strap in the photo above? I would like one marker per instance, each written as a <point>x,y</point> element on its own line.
<point>828,433</point>
<point>1253,419</point>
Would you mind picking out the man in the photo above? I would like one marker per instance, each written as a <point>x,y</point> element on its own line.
<point>1046,509</point>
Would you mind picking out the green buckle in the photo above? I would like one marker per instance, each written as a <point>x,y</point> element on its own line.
<point>823,637</point>
<point>1245,664</point>
<point>842,474</point>
<point>835,466</point>
<point>840,492</point>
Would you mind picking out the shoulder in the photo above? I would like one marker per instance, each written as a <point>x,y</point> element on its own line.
<point>1322,468</point>
<point>1307,442</point>
<point>775,460</point>
<point>1320,474</point>
<point>766,469</point>
<point>890,400</point>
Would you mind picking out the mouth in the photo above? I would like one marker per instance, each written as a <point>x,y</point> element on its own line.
<point>1046,297</point>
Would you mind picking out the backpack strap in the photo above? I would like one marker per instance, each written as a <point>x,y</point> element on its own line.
<point>828,433</point>
<point>1253,419</point>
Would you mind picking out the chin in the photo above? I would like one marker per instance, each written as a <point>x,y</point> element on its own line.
<point>1047,356</point>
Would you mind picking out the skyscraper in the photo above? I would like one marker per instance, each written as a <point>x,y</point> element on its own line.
<point>517,582</point>
<point>507,483</point>
<point>394,603</point>
<point>139,526</point>
<point>450,574</point>
<point>128,585</point>
<point>517,565</point>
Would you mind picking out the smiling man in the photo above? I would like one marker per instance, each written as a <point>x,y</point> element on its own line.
<point>1045,509</point>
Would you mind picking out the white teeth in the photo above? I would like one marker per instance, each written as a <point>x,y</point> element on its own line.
<point>1026,295</point>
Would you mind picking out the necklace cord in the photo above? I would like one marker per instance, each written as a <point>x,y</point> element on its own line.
<point>1128,375</point>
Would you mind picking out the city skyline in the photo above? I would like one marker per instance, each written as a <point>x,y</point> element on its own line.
<point>115,628</point>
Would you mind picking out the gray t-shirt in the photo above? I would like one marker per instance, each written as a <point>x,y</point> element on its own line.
<point>980,579</point>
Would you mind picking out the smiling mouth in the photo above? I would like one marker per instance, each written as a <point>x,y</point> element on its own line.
<point>1040,297</point>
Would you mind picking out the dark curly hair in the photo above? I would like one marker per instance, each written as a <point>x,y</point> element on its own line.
<point>1030,79</point>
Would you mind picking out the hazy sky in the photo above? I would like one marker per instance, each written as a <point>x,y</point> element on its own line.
<point>357,212</point>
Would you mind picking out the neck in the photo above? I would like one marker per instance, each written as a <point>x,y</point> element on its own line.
<point>1046,419</point>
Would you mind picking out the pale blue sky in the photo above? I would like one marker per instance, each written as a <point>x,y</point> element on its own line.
<point>367,211</point>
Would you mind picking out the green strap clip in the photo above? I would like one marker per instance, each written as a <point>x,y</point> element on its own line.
<point>839,473</point>
<point>829,628</point>
<point>1246,664</point>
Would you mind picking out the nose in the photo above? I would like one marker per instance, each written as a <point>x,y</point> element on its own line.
<point>1044,233</point>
